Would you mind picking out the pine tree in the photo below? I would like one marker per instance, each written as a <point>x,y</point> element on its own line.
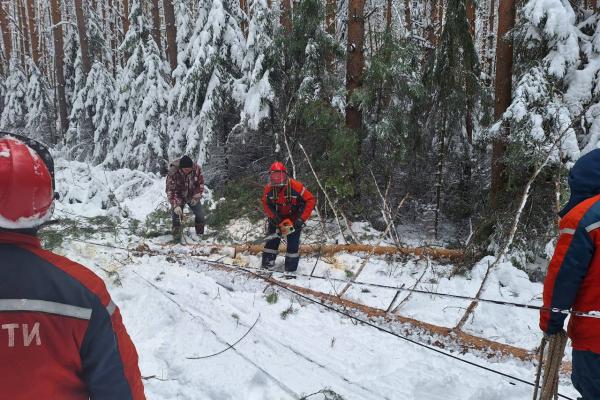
<point>256,66</point>
<point>453,80</point>
<point>215,54</point>
<point>91,115</point>
<point>138,130</point>
<point>14,114</point>
<point>40,122</point>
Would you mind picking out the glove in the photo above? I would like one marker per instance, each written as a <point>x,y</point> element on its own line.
<point>196,199</point>
<point>299,224</point>
<point>177,210</point>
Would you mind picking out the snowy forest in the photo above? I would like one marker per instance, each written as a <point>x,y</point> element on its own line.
<point>436,135</point>
<point>456,104</point>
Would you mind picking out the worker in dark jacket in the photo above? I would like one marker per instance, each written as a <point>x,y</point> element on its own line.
<point>573,278</point>
<point>288,205</point>
<point>185,185</point>
<point>61,335</point>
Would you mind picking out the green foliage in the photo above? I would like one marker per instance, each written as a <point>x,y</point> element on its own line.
<point>288,311</point>
<point>240,198</point>
<point>391,86</point>
<point>158,223</point>
<point>333,148</point>
<point>272,298</point>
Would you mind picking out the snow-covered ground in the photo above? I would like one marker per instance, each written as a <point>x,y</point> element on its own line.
<point>177,308</point>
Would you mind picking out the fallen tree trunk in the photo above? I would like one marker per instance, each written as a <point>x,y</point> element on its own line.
<point>332,249</point>
<point>464,341</point>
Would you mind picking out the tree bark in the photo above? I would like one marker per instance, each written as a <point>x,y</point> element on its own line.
<point>503,95</point>
<point>355,61</point>
<point>58,64</point>
<point>433,30</point>
<point>6,33</point>
<point>245,11</point>
<point>470,6</point>
<point>156,25</point>
<point>171,32</point>
<point>471,17</point>
<point>113,36</point>
<point>489,39</point>
<point>33,31</point>
<point>286,15</point>
<point>330,8</point>
<point>125,17</point>
<point>24,32</point>
<point>388,17</point>
<point>407,18</point>
<point>83,40</point>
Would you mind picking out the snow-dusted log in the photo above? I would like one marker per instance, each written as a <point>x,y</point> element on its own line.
<point>332,249</point>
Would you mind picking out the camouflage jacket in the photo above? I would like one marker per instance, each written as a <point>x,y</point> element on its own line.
<point>182,188</point>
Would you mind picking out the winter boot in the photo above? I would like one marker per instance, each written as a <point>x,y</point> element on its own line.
<point>291,262</point>
<point>268,260</point>
<point>199,229</point>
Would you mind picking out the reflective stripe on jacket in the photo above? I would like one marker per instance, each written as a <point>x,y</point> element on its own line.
<point>292,201</point>
<point>61,335</point>
<point>573,278</point>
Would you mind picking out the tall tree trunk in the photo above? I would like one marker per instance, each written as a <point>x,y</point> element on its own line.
<point>246,12</point>
<point>33,30</point>
<point>59,66</point>
<point>471,17</point>
<point>24,32</point>
<point>388,17</point>
<point>171,32</point>
<point>504,62</point>
<point>286,15</point>
<point>355,61</point>
<point>6,33</point>
<point>330,9</point>
<point>113,35</point>
<point>407,18</point>
<point>470,6</point>
<point>433,30</point>
<point>125,17</point>
<point>489,39</point>
<point>156,25</point>
<point>83,40</point>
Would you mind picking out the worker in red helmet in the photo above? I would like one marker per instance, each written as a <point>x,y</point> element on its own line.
<point>61,335</point>
<point>288,205</point>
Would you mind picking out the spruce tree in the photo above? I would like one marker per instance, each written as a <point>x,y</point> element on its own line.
<point>138,131</point>
<point>91,115</point>
<point>214,57</point>
<point>41,116</point>
<point>14,114</point>
<point>452,79</point>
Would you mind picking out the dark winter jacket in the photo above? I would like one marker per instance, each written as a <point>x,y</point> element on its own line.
<point>573,278</point>
<point>61,335</point>
<point>182,188</point>
<point>292,201</point>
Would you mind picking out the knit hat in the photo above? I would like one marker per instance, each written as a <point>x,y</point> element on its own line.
<point>186,162</point>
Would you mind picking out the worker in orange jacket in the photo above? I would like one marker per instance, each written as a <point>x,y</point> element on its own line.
<point>288,205</point>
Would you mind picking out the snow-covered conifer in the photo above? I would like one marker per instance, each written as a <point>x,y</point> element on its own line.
<point>14,114</point>
<point>215,54</point>
<point>138,130</point>
<point>41,116</point>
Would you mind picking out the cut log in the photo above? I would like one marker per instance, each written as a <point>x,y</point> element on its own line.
<point>332,249</point>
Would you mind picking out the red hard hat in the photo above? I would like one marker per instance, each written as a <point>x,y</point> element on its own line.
<point>278,175</point>
<point>278,166</point>
<point>26,188</point>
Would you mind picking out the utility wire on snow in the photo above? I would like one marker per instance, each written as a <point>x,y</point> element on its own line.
<point>231,346</point>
